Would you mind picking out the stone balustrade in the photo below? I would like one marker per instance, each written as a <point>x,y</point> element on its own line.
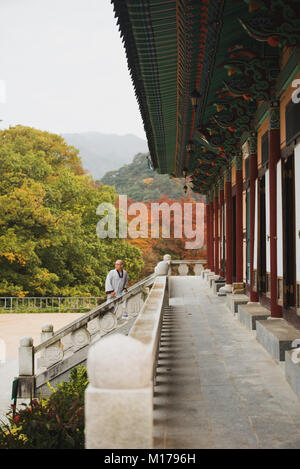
<point>121,371</point>
<point>59,352</point>
<point>187,267</point>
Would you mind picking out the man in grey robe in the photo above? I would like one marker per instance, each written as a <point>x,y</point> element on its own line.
<point>116,281</point>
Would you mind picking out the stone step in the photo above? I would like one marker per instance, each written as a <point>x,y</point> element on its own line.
<point>249,313</point>
<point>276,336</point>
<point>212,280</point>
<point>232,302</point>
<point>205,272</point>
<point>217,285</point>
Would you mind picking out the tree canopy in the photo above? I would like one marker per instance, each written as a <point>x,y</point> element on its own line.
<point>48,241</point>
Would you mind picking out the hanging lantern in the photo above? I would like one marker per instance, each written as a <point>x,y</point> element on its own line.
<point>190,146</point>
<point>195,99</point>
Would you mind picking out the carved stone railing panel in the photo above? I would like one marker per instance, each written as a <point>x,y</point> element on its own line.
<point>187,267</point>
<point>198,269</point>
<point>94,326</point>
<point>107,323</point>
<point>80,338</point>
<point>183,269</point>
<point>51,355</point>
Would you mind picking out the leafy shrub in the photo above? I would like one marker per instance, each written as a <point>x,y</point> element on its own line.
<point>56,422</point>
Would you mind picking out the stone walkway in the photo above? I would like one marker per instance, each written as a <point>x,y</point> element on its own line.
<point>216,385</point>
<point>12,328</point>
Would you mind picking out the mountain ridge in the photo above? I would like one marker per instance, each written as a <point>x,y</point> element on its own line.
<point>102,152</point>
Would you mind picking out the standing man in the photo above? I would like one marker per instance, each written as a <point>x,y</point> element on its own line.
<point>116,281</point>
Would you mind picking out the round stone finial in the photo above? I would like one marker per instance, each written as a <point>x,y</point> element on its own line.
<point>119,362</point>
<point>26,341</point>
<point>47,327</point>
<point>167,257</point>
<point>162,268</point>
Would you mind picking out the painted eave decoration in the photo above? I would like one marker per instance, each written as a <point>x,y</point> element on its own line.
<point>199,69</point>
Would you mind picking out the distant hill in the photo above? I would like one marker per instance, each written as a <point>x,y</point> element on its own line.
<point>140,183</point>
<point>105,152</point>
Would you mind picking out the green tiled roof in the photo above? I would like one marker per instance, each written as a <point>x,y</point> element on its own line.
<point>174,47</point>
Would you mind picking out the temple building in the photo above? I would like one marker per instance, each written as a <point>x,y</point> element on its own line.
<point>218,86</point>
<point>208,352</point>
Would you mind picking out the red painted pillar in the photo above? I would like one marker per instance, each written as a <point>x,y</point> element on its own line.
<point>239,219</point>
<point>216,205</point>
<point>253,201</point>
<point>228,213</point>
<point>208,236</point>
<point>221,227</point>
<point>274,156</point>
<point>212,235</point>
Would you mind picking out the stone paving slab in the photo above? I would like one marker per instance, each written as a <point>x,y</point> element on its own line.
<point>217,387</point>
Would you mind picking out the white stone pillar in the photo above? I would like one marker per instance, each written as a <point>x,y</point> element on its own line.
<point>47,332</point>
<point>119,397</point>
<point>26,368</point>
<point>162,268</point>
<point>26,358</point>
<point>167,258</point>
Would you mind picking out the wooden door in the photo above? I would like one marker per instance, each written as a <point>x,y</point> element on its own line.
<point>289,233</point>
<point>261,258</point>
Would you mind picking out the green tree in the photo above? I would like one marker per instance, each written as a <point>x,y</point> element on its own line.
<point>48,241</point>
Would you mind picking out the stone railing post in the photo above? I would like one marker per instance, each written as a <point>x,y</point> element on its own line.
<point>162,268</point>
<point>119,397</point>
<point>167,258</point>
<point>26,363</point>
<point>47,332</point>
<point>26,367</point>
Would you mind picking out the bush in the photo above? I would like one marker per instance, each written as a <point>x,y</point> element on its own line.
<point>56,422</point>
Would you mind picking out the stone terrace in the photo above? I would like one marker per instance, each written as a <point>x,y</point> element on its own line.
<point>216,386</point>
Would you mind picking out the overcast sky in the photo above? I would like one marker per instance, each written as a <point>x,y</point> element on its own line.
<point>64,67</point>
